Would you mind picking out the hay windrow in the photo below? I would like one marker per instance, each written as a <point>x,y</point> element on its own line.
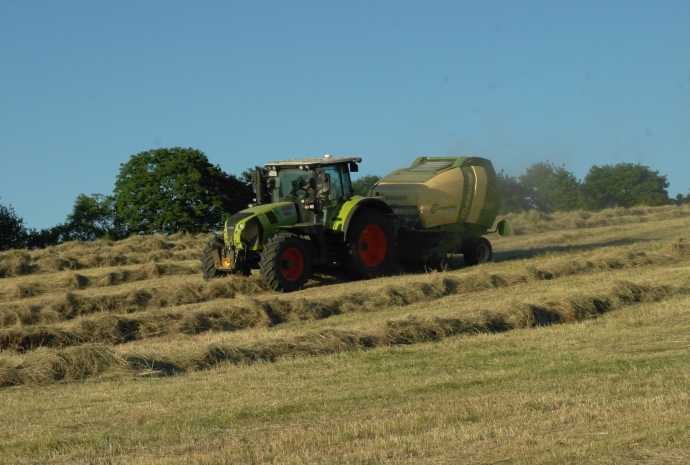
<point>101,253</point>
<point>679,248</point>
<point>73,304</point>
<point>139,306</point>
<point>155,249</point>
<point>15,263</point>
<point>45,365</point>
<point>533,221</point>
<point>75,319</point>
<point>70,280</point>
<point>227,317</point>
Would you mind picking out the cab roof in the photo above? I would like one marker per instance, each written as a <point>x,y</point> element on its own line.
<point>313,162</point>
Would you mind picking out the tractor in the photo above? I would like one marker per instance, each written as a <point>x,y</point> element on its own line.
<point>306,216</point>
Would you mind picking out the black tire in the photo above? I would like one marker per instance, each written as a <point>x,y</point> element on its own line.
<point>442,264</point>
<point>477,251</point>
<point>243,271</point>
<point>208,267</point>
<point>371,245</point>
<point>285,264</point>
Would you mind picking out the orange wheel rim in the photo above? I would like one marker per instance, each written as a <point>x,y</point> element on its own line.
<point>372,245</point>
<point>292,264</point>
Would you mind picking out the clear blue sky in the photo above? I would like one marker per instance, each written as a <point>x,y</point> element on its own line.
<point>84,85</point>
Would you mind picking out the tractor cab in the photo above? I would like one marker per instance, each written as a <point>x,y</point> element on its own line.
<point>314,185</point>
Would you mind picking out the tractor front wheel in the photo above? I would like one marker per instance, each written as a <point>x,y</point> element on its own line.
<point>284,263</point>
<point>208,266</point>
<point>371,244</point>
<point>477,251</point>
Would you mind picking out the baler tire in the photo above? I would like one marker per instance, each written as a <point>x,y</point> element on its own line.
<point>371,245</point>
<point>208,267</point>
<point>477,251</point>
<point>285,265</point>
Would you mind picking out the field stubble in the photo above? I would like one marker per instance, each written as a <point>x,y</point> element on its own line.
<point>366,372</point>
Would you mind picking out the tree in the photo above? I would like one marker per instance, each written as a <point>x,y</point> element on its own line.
<point>624,185</point>
<point>551,188</point>
<point>174,189</point>
<point>45,237</point>
<point>514,196</point>
<point>12,231</point>
<point>681,199</point>
<point>363,184</point>
<point>92,217</point>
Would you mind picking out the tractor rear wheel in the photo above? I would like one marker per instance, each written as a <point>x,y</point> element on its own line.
<point>208,266</point>
<point>371,244</point>
<point>477,251</point>
<point>285,264</point>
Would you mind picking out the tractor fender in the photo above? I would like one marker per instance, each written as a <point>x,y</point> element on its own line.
<point>350,209</point>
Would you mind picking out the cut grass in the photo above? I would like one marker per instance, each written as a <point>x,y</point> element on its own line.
<point>66,363</point>
<point>33,325</point>
<point>101,253</point>
<point>69,280</point>
<point>610,390</point>
<point>473,365</point>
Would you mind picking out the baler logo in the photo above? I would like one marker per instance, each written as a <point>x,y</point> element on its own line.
<point>448,208</point>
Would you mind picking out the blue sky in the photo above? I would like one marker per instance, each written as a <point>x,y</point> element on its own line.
<point>84,85</point>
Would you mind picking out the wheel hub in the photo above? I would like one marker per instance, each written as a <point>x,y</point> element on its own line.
<point>292,264</point>
<point>372,245</point>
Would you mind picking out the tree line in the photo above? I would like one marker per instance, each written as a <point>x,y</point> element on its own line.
<point>550,188</point>
<point>158,191</point>
<point>169,190</point>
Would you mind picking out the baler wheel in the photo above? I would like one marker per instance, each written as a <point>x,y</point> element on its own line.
<point>477,251</point>
<point>285,264</point>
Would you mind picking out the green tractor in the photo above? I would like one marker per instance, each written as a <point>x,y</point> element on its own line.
<point>307,216</point>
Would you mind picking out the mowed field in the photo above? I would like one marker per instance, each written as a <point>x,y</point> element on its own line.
<point>572,347</point>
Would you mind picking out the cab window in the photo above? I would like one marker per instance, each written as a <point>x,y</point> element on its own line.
<point>340,181</point>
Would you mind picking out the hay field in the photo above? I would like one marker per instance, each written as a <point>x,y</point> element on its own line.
<point>573,346</point>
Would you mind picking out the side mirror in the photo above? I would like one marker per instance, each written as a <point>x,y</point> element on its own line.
<point>354,167</point>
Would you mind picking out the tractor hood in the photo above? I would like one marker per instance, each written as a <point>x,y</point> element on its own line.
<point>250,228</point>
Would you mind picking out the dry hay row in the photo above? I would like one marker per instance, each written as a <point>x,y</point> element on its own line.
<point>73,304</point>
<point>102,253</point>
<point>69,280</point>
<point>32,331</point>
<point>534,221</point>
<point>248,313</point>
<point>251,313</point>
<point>45,366</point>
<point>19,262</point>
